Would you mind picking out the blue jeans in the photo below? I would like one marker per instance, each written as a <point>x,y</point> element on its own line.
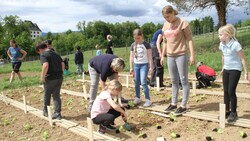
<point>141,73</point>
<point>79,69</point>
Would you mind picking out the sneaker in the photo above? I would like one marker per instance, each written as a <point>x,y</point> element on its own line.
<point>101,129</point>
<point>180,111</point>
<point>232,117</point>
<point>170,108</point>
<point>147,103</point>
<point>45,113</point>
<point>109,127</point>
<point>56,116</point>
<point>137,100</point>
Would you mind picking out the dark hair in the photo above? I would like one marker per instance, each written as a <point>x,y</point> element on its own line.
<point>169,9</point>
<point>137,32</point>
<point>41,46</point>
<point>78,47</point>
<point>13,41</point>
<point>49,42</point>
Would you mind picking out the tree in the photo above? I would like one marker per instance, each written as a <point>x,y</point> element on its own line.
<point>221,6</point>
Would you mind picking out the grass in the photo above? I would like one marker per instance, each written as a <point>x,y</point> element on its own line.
<point>206,50</point>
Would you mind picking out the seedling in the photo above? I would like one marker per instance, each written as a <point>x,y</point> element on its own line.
<point>131,104</point>
<point>69,102</point>
<point>200,98</point>
<point>172,117</point>
<point>208,138</point>
<point>142,135</point>
<point>218,130</point>
<point>27,127</point>
<point>45,136</point>
<point>243,134</point>
<point>157,126</point>
<point>5,122</point>
<point>174,135</point>
<point>121,129</point>
<point>141,114</point>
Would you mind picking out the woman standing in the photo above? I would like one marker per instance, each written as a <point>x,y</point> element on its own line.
<point>177,38</point>
<point>140,63</point>
<point>16,54</point>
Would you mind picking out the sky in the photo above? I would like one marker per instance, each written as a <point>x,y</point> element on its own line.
<point>61,15</point>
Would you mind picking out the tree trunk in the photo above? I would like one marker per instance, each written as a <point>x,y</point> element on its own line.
<point>221,7</point>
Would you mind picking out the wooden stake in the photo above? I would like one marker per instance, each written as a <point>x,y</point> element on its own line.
<point>83,77</point>
<point>90,127</point>
<point>194,86</point>
<point>127,80</point>
<point>24,104</point>
<point>222,115</point>
<point>160,139</point>
<point>157,83</point>
<point>49,116</point>
<point>85,92</point>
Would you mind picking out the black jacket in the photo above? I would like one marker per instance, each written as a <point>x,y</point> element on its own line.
<point>79,57</point>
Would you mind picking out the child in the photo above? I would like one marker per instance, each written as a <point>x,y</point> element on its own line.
<point>204,75</point>
<point>98,51</point>
<point>232,58</point>
<point>110,45</point>
<point>140,64</point>
<point>105,110</point>
<point>66,64</point>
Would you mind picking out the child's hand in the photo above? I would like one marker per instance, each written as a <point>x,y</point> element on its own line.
<point>221,73</point>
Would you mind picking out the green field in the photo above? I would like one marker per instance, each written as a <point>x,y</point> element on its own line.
<point>206,50</point>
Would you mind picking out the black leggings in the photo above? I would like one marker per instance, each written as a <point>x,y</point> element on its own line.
<point>106,118</point>
<point>230,81</point>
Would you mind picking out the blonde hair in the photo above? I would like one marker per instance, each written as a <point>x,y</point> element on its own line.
<point>137,32</point>
<point>229,30</point>
<point>118,64</point>
<point>97,46</point>
<point>109,37</point>
<point>114,85</point>
<point>168,10</point>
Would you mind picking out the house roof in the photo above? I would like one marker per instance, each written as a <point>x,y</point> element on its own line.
<point>33,26</point>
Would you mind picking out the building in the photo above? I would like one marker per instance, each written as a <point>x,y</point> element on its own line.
<point>35,31</point>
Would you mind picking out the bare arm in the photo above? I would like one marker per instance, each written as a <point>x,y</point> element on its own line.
<point>131,60</point>
<point>63,66</point>
<point>158,44</point>
<point>191,49</point>
<point>45,68</point>
<point>244,63</point>
<point>24,53</point>
<point>164,50</point>
<point>8,53</point>
<point>150,60</point>
<point>117,108</point>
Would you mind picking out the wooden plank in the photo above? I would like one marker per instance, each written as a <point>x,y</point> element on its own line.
<point>49,116</point>
<point>160,139</point>
<point>73,127</point>
<point>194,87</point>
<point>220,93</point>
<point>24,104</point>
<point>90,127</point>
<point>222,115</point>
<point>158,83</point>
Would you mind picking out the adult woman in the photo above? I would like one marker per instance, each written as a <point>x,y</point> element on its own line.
<point>16,54</point>
<point>177,38</point>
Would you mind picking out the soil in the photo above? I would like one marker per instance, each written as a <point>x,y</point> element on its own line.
<point>12,120</point>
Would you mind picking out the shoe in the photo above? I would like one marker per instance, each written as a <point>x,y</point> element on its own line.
<point>45,113</point>
<point>232,117</point>
<point>147,103</point>
<point>170,108</point>
<point>101,129</point>
<point>180,111</point>
<point>109,127</point>
<point>123,100</point>
<point>227,114</point>
<point>137,100</point>
<point>56,116</point>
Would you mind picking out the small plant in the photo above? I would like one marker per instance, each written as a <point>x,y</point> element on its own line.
<point>27,127</point>
<point>142,135</point>
<point>69,102</point>
<point>243,134</point>
<point>45,135</point>
<point>121,129</point>
<point>200,98</point>
<point>172,117</point>
<point>11,133</point>
<point>174,135</point>
<point>218,130</point>
<point>131,104</point>
<point>6,122</point>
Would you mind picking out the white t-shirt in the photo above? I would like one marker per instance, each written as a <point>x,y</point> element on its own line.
<point>141,55</point>
<point>231,57</point>
<point>101,105</point>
